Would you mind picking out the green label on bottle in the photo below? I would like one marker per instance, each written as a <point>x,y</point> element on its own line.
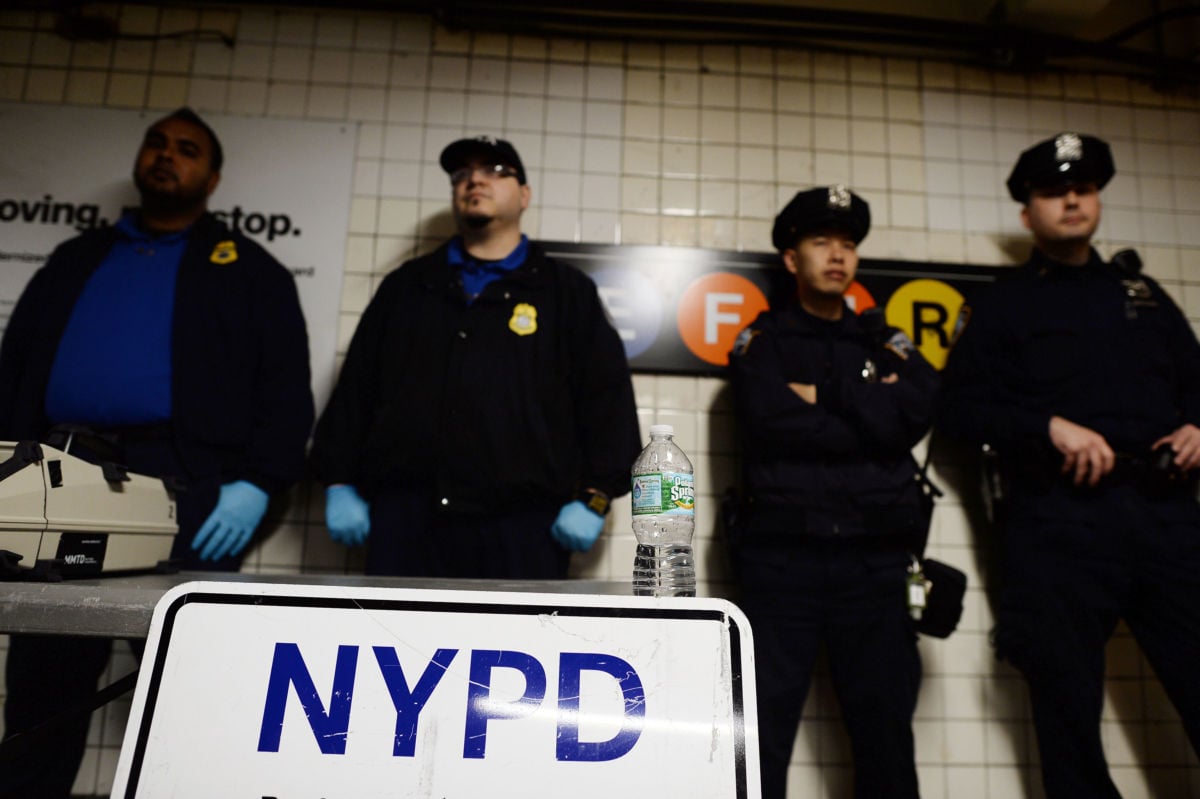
<point>672,493</point>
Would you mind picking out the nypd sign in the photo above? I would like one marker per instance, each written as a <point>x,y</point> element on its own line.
<point>317,692</point>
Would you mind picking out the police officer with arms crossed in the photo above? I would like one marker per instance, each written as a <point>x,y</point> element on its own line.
<point>484,417</point>
<point>830,405</point>
<point>1085,377</point>
<point>181,343</point>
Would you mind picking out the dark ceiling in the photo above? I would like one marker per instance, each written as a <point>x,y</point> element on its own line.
<point>1152,40</point>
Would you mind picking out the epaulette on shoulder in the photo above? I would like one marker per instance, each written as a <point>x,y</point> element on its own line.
<point>744,339</point>
<point>1127,262</point>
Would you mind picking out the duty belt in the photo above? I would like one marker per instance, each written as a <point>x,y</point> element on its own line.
<point>1152,473</point>
<point>1156,473</point>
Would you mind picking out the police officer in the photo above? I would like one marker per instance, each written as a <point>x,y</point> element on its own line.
<point>484,417</point>
<point>829,406</point>
<point>1085,377</point>
<point>181,344</point>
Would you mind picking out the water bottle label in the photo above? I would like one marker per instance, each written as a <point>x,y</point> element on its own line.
<point>671,493</point>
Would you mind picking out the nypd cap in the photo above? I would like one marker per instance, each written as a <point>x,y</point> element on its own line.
<point>828,206</point>
<point>1068,159</point>
<point>459,153</point>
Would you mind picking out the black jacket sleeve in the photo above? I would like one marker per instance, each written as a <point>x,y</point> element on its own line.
<point>773,416</point>
<point>19,337</point>
<point>978,404</point>
<point>35,327</point>
<point>242,395</point>
<point>349,416</point>
<point>892,416</point>
<point>1184,351</point>
<point>606,413</point>
<point>283,402</point>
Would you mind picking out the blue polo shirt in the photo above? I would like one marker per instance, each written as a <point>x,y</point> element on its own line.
<point>477,274</point>
<point>113,364</point>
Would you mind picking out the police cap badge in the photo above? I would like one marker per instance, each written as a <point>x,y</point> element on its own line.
<point>814,209</point>
<point>1068,159</point>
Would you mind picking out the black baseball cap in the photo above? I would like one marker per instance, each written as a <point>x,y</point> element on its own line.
<point>1068,159</point>
<point>460,153</point>
<point>814,209</point>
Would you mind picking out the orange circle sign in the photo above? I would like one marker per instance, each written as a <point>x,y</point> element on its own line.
<point>713,310</point>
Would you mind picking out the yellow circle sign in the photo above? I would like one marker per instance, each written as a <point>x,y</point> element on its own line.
<point>927,311</point>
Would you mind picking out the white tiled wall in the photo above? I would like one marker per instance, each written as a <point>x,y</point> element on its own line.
<point>642,143</point>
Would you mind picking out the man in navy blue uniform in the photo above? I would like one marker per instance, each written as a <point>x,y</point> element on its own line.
<point>484,417</point>
<point>830,404</point>
<point>181,345</point>
<point>1085,378</point>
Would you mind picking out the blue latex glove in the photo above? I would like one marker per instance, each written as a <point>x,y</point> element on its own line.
<point>347,515</point>
<point>227,530</point>
<point>577,527</point>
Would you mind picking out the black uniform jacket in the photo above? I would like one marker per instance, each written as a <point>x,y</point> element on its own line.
<point>515,401</point>
<point>242,404</point>
<point>1100,346</point>
<point>842,466</point>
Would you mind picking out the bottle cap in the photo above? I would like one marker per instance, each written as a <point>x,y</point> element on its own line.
<point>662,430</point>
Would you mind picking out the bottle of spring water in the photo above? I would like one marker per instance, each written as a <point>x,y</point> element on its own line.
<point>664,518</point>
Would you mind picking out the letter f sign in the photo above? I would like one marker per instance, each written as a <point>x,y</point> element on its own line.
<point>714,317</point>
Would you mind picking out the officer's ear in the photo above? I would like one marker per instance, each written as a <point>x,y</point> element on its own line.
<point>791,260</point>
<point>1025,216</point>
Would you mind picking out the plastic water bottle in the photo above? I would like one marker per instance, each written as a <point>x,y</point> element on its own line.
<point>664,518</point>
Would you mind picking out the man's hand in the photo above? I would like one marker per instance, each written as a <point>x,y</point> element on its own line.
<point>805,391</point>
<point>347,515</point>
<point>1085,452</point>
<point>1186,443</point>
<point>227,530</point>
<point>577,527</point>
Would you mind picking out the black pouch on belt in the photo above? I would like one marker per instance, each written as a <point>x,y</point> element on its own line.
<point>944,598</point>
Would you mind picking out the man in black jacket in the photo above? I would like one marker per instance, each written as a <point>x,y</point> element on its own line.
<point>484,417</point>
<point>830,405</point>
<point>181,344</point>
<point>1084,377</point>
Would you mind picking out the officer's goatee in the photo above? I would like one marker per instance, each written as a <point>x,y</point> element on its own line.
<point>170,201</point>
<point>477,221</point>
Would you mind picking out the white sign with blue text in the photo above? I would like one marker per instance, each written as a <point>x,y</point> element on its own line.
<point>322,692</point>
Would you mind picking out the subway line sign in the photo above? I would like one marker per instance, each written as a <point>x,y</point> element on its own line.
<point>317,692</point>
<point>679,309</point>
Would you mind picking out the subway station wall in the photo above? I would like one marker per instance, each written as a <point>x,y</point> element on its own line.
<point>683,146</point>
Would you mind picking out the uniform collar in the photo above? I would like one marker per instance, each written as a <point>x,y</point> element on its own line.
<point>1044,266</point>
<point>457,255</point>
<point>129,228</point>
<point>804,318</point>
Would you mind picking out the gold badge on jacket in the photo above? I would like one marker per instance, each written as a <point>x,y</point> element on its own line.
<point>524,319</point>
<point>224,253</point>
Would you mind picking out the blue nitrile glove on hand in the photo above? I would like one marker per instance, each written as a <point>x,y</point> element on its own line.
<point>227,530</point>
<point>347,515</point>
<point>577,527</point>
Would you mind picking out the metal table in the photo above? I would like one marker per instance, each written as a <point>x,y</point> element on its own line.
<point>121,607</point>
